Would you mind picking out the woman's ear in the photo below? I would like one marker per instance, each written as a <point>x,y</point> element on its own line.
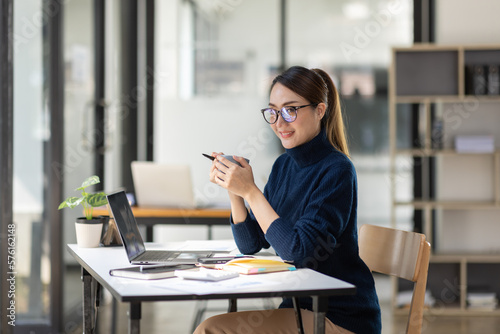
<point>321,110</point>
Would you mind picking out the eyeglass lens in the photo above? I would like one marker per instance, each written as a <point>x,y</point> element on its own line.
<point>289,114</point>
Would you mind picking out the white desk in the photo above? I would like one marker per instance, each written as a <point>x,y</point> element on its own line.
<point>96,263</point>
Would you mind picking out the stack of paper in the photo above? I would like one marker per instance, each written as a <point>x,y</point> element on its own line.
<point>475,144</point>
<point>404,298</point>
<point>482,300</point>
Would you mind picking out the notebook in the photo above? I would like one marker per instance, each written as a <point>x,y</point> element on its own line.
<point>249,266</point>
<point>163,185</point>
<point>152,272</point>
<point>133,242</point>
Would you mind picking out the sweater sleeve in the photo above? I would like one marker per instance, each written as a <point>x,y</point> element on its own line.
<point>315,234</point>
<point>248,235</point>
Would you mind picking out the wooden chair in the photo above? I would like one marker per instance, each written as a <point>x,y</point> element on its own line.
<point>402,254</point>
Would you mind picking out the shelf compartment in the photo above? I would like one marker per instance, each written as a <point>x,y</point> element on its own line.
<point>451,311</point>
<point>450,205</point>
<point>444,283</point>
<point>483,56</point>
<point>466,177</point>
<point>431,73</point>
<point>417,99</point>
<point>420,152</point>
<point>477,64</point>
<point>480,283</point>
<point>467,258</point>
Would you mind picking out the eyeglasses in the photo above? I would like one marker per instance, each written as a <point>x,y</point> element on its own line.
<point>289,114</point>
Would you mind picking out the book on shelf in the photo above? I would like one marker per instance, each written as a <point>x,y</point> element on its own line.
<point>482,79</point>
<point>475,144</point>
<point>476,79</point>
<point>482,300</point>
<point>493,79</point>
<point>150,271</point>
<point>249,266</point>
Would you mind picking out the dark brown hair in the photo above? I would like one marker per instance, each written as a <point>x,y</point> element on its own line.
<point>316,86</point>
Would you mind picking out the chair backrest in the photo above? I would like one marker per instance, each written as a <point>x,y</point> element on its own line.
<point>402,254</point>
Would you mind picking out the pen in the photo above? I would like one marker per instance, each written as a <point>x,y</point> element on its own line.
<point>208,156</point>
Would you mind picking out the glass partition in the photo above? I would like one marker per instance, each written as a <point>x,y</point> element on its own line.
<point>79,129</point>
<point>31,131</point>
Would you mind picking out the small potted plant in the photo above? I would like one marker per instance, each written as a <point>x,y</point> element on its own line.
<point>88,228</point>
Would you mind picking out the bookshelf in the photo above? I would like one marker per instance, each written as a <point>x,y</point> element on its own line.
<point>454,90</point>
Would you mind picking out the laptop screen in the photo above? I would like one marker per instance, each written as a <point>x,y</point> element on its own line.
<point>125,221</point>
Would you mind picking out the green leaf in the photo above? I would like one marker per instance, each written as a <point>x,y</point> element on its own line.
<point>70,202</point>
<point>63,205</point>
<point>89,182</point>
<point>88,201</point>
<point>98,199</point>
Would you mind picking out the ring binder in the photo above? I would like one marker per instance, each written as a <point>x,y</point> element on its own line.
<point>493,80</point>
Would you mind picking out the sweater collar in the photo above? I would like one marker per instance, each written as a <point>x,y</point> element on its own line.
<point>312,151</point>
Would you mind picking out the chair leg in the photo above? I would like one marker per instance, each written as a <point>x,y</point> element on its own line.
<point>201,307</point>
<point>233,306</point>
<point>298,315</point>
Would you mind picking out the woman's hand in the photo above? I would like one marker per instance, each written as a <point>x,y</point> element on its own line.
<point>241,186</point>
<point>213,168</point>
<point>237,180</point>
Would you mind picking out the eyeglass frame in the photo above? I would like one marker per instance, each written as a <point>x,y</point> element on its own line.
<point>278,112</point>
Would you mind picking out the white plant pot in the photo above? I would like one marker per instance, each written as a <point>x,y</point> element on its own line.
<point>88,235</point>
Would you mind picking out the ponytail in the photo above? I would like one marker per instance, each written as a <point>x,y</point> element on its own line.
<point>333,122</point>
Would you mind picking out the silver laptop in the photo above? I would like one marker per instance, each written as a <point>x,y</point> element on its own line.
<point>163,185</point>
<point>133,242</point>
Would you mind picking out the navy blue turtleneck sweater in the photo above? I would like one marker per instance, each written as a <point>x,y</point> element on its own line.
<point>313,189</point>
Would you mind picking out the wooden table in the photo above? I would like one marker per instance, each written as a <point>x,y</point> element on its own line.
<point>172,216</point>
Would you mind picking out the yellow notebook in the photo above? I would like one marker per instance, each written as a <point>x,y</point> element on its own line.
<point>249,266</point>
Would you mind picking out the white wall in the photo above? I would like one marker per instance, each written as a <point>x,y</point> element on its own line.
<point>467,22</point>
<point>345,32</point>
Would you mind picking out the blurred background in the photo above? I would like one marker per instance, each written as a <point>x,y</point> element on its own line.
<point>167,80</point>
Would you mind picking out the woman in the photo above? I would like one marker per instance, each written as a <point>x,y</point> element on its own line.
<point>307,211</point>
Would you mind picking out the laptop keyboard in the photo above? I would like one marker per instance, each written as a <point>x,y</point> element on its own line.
<point>152,256</point>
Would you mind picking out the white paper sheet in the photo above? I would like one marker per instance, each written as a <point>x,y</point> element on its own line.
<point>242,282</point>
